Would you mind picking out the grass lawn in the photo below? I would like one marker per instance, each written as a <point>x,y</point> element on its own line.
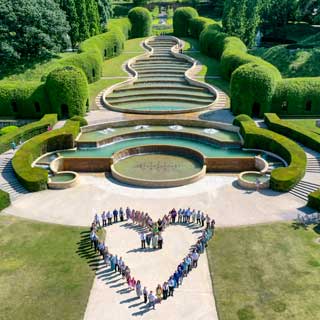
<point>113,68</point>
<point>306,123</point>
<point>42,273</point>
<point>266,272</point>
<point>33,71</point>
<point>210,66</point>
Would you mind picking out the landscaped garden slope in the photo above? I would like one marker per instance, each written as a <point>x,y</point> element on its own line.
<point>44,270</point>
<point>282,179</point>
<point>32,99</point>
<point>256,85</point>
<point>265,272</point>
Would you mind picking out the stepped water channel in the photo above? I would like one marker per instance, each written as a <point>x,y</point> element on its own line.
<point>161,83</point>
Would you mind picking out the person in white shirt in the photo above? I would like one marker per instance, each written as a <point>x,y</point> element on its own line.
<point>109,216</point>
<point>103,218</point>
<point>195,257</point>
<point>171,286</point>
<point>152,300</point>
<point>143,240</point>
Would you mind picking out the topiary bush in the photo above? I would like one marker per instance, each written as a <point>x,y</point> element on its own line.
<point>8,129</point>
<point>26,132</point>
<point>252,88</point>
<point>33,178</point>
<point>4,200</point>
<point>211,41</point>
<point>81,120</point>
<point>300,95</point>
<point>141,21</point>
<point>314,200</point>
<point>297,133</point>
<point>120,11</point>
<point>67,90</point>
<point>198,24</point>
<point>23,99</point>
<point>181,20</point>
<point>282,179</point>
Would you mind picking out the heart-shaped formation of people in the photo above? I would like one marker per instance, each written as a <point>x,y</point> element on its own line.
<point>152,236</point>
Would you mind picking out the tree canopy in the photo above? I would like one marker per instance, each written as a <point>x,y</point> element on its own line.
<point>30,28</point>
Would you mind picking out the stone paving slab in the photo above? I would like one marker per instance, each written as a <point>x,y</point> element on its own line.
<point>217,195</point>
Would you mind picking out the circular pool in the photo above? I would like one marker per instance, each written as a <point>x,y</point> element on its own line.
<point>158,166</point>
<point>250,179</point>
<point>63,180</point>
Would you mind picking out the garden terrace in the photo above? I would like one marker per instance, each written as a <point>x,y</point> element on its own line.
<point>160,84</point>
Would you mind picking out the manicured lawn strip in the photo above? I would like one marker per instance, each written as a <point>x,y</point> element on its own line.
<point>305,124</point>
<point>265,272</point>
<point>42,273</point>
<point>210,66</point>
<point>34,71</point>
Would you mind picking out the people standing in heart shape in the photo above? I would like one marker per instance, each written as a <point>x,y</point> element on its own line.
<point>151,235</point>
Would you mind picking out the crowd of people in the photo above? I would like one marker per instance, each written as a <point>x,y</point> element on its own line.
<point>152,237</point>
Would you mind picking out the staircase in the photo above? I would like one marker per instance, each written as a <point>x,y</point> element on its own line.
<point>311,181</point>
<point>8,181</point>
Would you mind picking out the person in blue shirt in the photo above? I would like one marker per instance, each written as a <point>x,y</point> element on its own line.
<point>176,277</point>
<point>115,215</point>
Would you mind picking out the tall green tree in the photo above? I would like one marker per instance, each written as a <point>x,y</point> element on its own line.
<point>69,7</point>
<point>277,14</point>
<point>84,31</point>
<point>242,18</point>
<point>93,17</point>
<point>31,28</point>
<point>105,11</point>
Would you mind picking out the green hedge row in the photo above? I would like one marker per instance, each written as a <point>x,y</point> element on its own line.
<point>35,179</point>
<point>314,200</point>
<point>257,86</point>
<point>282,179</point>
<point>304,136</point>
<point>4,200</point>
<point>26,132</point>
<point>181,20</point>
<point>141,21</point>
<point>34,99</point>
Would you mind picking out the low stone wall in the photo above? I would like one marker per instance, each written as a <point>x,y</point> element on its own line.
<point>252,185</point>
<point>87,164</point>
<point>161,122</point>
<point>149,133</point>
<point>230,164</point>
<point>63,184</point>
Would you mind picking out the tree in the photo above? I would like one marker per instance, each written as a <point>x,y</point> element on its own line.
<point>241,18</point>
<point>139,3</point>
<point>93,17</point>
<point>277,14</point>
<point>84,32</point>
<point>105,11</point>
<point>31,28</point>
<point>69,7</point>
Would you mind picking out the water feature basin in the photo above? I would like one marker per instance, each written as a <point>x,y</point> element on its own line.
<point>254,179</point>
<point>63,180</point>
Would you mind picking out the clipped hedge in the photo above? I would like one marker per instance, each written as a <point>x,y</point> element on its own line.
<point>81,120</point>
<point>8,129</point>
<point>304,136</point>
<point>198,24</point>
<point>23,99</point>
<point>26,132</point>
<point>252,88</point>
<point>33,178</point>
<point>212,40</point>
<point>68,91</point>
<point>282,179</point>
<point>141,21</point>
<point>302,97</point>
<point>4,200</point>
<point>181,20</point>
<point>314,200</point>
